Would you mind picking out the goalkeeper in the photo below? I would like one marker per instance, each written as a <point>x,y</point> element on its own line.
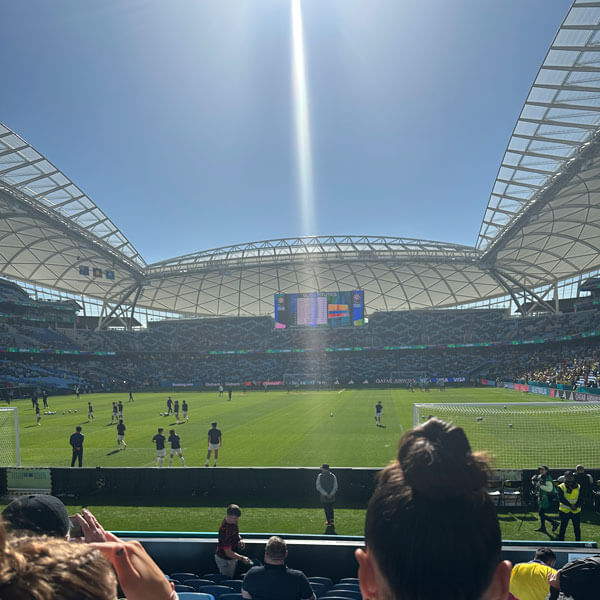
<point>546,493</point>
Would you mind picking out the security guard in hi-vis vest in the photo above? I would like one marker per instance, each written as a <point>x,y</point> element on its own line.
<point>569,498</point>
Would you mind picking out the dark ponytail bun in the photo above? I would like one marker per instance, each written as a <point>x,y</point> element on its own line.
<point>431,525</point>
<point>437,462</point>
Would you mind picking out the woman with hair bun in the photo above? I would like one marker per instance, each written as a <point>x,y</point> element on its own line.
<point>431,530</point>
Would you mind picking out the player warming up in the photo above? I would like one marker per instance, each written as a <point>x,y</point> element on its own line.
<point>378,413</point>
<point>175,442</point>
<point>214,443</point>
<point>184,407</point>
<point>121,435</point>
<point>90,412</point>
<point>176,411</point>
<point>169,406</point>
<point>159,441</point>
<point>114,417</point>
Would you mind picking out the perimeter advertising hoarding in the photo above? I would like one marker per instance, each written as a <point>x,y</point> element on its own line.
<point>320,309</point>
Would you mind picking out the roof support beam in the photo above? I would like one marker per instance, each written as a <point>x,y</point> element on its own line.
<point>545,138</point>
<point>13,150</point>
<point>533,186</point>
<point>34,179</point>
<point>527,169</point>
<point>103,321</point>
<point>564,105</point>
<point>540,300</point>
<point>555,123</point>
<point>537,154</point>
<point>567,87</point>
<point>22,165</point>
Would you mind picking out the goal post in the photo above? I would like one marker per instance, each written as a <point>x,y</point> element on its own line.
<point>525,435</point>
<point>10,451</point>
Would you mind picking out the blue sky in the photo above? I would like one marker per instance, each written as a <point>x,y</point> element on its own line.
<point>176,118</point>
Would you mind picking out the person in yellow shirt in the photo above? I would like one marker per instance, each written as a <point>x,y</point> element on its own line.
<point>569,507</point>
<point>529,581</point>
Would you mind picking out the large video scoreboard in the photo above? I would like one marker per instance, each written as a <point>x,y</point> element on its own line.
<point>320,309</point>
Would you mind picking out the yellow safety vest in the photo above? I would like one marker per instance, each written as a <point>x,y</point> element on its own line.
<point>570,497</point>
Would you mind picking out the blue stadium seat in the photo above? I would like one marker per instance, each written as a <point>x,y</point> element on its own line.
<point>347,586</point>
<point>216,577</point>
<point>198,583</point>
<point>349,594</point>
<point>230,597</point>
<point>349,580</point>
<point>184,588</point>
<point>216,590</point>
<point>183,576</point>
<point>194,596</point>
<point>320,589</point>
<point>326,581</point>
<point>234,584</point>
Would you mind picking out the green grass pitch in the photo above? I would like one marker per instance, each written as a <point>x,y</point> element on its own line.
<point>262,429</point>
<point>275,428</point>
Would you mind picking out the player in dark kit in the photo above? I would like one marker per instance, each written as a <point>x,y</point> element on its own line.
<point>229,394</point>
<point>159,440</point>
<point>175,442</point>
<point>45,398</point>
<point>130,396</point>
<point>114,418</point>
<point>176,410</point>
<point>120,409</point>
<point>76,441</point>
<point>214,442</point>
<point>184,407</point>
<point>378,413</point>
<point>90,412</point>
<point>38,416</point>
<point>121,435</point>
<point>169,405</point>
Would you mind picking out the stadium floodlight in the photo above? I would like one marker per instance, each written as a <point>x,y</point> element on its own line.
<point>10,451</point>
<point>525,435</point>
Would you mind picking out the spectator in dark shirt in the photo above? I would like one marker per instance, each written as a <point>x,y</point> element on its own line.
<point>76,441</point>
<point>226,555</point>
<point>274,580</point>
<point>159,440</point>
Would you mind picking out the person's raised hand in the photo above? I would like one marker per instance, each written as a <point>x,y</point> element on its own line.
<point>91,528</point>
<point>139,576</point>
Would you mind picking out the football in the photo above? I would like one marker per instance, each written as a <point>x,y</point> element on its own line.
<point>331,414</point>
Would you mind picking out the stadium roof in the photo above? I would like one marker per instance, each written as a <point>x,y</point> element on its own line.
<point>541,226</point>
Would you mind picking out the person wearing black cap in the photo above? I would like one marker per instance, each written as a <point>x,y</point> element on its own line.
<point>76,441</point>
<point>39,514</point>
<point>569,507</point>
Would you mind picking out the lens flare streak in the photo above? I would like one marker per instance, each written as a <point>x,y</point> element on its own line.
<point>302,122</point>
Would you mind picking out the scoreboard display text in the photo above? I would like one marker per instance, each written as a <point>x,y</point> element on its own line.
<point>320,309</point>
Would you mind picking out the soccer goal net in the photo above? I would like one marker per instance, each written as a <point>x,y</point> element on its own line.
<point>10,452</point>
<point>525,435</point>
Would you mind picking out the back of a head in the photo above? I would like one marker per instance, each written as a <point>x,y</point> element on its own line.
<point>431,525</point>
<point>546,555</point>
<point>276,549</point>
<point>45,568</point>
<point>234,510</point>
